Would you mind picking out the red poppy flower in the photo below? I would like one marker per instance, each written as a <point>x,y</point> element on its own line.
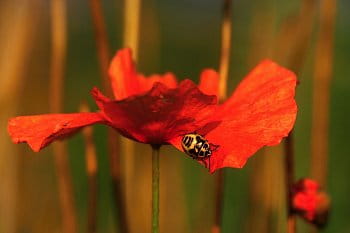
<point>311,202</point>
<point>157,110</point>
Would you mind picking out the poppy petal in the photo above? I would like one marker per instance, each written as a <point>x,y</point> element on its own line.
<point>262,84</point>
<point>160,114</point>
<point>209,82</point>
<point>127,82</point>
<point>40,130</point>
<point>261,112</point>
<point>146,83</point>
<point>123,75</point>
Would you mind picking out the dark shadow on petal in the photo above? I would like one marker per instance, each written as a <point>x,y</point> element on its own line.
<point>208,127</point>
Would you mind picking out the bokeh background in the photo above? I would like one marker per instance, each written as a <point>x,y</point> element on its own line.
<point>183,37</point>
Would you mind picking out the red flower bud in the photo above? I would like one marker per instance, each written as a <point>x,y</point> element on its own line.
<point>310,202</point>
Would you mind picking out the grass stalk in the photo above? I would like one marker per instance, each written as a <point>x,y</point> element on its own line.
<point>91,170</point>
<point>132,15</point>
<point>289,176</point>
<point>58,59</point>
<point>226,28</point>
<point>300,29</point>
<point>131,31</point>
<point>103,51</point>
<point>321,92</point>
<point>102,44</point>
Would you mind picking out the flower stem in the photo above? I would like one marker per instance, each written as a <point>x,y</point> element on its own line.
<point>289,175</point>
<point>155,188</point>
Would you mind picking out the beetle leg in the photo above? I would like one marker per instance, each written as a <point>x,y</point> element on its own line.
<point>213,147</point>
<point>205,163</point>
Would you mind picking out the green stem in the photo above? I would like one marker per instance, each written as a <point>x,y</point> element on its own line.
<point>155,188</point>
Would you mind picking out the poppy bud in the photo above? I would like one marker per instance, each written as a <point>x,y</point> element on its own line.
<point>310,202</point>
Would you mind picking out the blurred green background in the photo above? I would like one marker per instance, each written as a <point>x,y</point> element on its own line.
<point>182,37</point>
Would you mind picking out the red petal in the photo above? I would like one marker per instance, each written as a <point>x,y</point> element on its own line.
<point>146,83</point>
<point>125,80</point>
<point>304,201</point>
<point>40,130</point>
<point>261,112</point>
<point>160,114</point>
<point>310,185</point>
<point>209,82</point>
<point>123,75</point>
